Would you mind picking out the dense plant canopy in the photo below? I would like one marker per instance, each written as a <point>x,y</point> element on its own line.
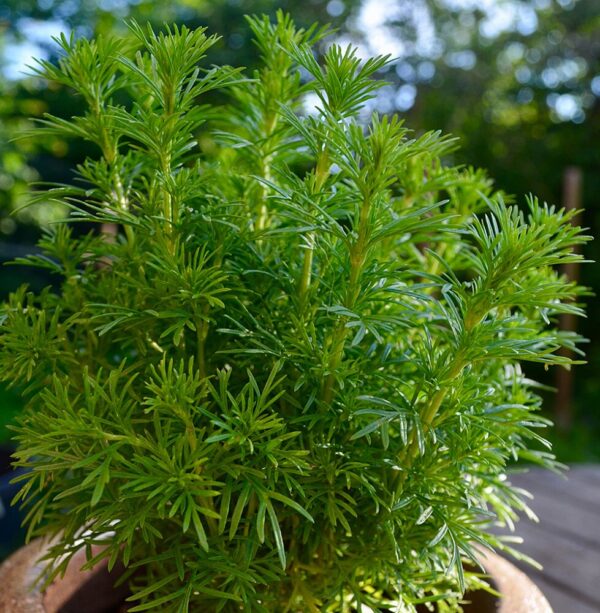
<point>291,380</point>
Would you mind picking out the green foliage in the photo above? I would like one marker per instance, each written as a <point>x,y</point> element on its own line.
<point>292,381</point>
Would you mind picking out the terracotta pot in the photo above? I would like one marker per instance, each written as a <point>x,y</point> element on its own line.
<point>519,593</point>
<point>92,591</point>
<point>76,592</point>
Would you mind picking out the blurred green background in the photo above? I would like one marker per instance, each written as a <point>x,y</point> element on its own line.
<point>517,81</point>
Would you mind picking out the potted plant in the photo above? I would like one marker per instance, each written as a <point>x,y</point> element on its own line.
<point>291,381</point>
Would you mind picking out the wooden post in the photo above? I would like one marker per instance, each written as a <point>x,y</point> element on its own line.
<point>563,409</point>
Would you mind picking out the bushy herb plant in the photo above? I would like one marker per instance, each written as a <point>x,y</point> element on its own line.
<point>291,381</point>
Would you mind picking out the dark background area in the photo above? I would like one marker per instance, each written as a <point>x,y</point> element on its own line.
<point>517,81</point>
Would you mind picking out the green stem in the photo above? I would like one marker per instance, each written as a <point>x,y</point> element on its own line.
<point>321,174</point>
<point>201,354</point>
<point>169,212</point>
<point>357,260</point>
<point>337,352</point>
<point>270,125</point>
<point>202,325</point>
<point>305,279</point>
<point>427,415</point>
<point>473,317</point>
<point>110,153</point>
<point>123,203</point>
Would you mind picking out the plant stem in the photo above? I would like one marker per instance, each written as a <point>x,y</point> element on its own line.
<point>270,125</point>
<point>110,153</point>
<point>307,267</point>
<point>202,324</point>
<point>429,412</point>
<point>263,214</point>
<point>168,208</point>
<point>201,355</point>
<point>357,260</point>
<point>321,174</point>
